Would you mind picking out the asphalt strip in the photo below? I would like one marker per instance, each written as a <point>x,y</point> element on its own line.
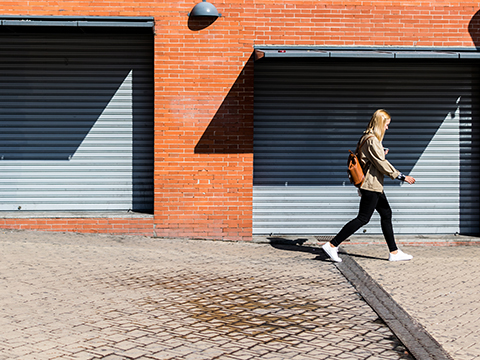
<point>420,344</point>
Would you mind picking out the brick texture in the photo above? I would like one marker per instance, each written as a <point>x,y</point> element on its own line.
<point>204,87</point>
<point>114,226</point>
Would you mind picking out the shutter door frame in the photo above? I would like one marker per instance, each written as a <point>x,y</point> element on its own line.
<point>300,181</point>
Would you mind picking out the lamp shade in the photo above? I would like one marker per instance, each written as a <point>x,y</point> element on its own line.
<point>205,9</point>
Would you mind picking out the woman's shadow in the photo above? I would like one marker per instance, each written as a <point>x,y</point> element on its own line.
<point>298,245</point>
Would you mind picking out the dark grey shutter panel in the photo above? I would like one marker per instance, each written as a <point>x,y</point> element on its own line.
<point>309,113</point>
<point>76,122</point>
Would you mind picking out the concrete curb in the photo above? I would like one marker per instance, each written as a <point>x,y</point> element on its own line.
<point>416,339</point>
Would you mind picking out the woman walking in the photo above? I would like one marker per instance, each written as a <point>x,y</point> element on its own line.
<point>372,158</point>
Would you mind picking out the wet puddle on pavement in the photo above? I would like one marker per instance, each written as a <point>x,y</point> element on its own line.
<point>262,311</point>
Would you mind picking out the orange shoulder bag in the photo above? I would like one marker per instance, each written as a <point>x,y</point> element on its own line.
<point>355,171</point>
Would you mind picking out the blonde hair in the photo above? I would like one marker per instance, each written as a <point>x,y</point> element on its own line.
<point>376,126</point>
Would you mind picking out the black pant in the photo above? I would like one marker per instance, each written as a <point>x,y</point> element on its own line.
<point>370,202</point>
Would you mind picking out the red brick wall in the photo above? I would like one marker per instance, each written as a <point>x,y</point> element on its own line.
<point>204,88</point>
<point>120,225</point>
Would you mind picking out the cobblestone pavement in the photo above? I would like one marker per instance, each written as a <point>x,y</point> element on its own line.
<point>72,296</point>
<point>440,288</point>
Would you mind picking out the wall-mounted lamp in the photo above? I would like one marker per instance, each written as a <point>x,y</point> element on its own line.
<point>205,9</point>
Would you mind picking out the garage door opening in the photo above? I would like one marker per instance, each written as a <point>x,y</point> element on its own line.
<point>310,112</point>
<point>77,119</point>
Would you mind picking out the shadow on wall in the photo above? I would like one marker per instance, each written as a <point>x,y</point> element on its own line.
<point>52,95</point>
<point>231,129</point>
<point>308,117</point>
<point>45,118</point>
<point>474,29</point>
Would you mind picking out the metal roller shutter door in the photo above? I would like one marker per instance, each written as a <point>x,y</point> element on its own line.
<point>76,122</point>
<point>309,113</point>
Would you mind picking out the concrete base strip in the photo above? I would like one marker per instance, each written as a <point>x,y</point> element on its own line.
<point>415,338</point>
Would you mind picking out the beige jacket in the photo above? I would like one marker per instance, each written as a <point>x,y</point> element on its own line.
<point>374,164</point>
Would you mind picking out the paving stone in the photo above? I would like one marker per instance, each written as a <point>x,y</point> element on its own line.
<point>195,356</point>
<point>113,357</point>
<point>83,356</point>
<point>103,351</point>
<point>164,355</point>
<point>133,353</point>
<point>126,345</point>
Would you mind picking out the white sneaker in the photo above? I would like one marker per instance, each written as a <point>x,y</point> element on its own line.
<point>399,256</point>
<point>332,252</point>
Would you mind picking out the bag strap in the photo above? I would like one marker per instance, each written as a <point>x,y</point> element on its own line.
<point>363,142</point>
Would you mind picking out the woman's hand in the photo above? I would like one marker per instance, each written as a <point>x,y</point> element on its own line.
<point>410,180</point>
